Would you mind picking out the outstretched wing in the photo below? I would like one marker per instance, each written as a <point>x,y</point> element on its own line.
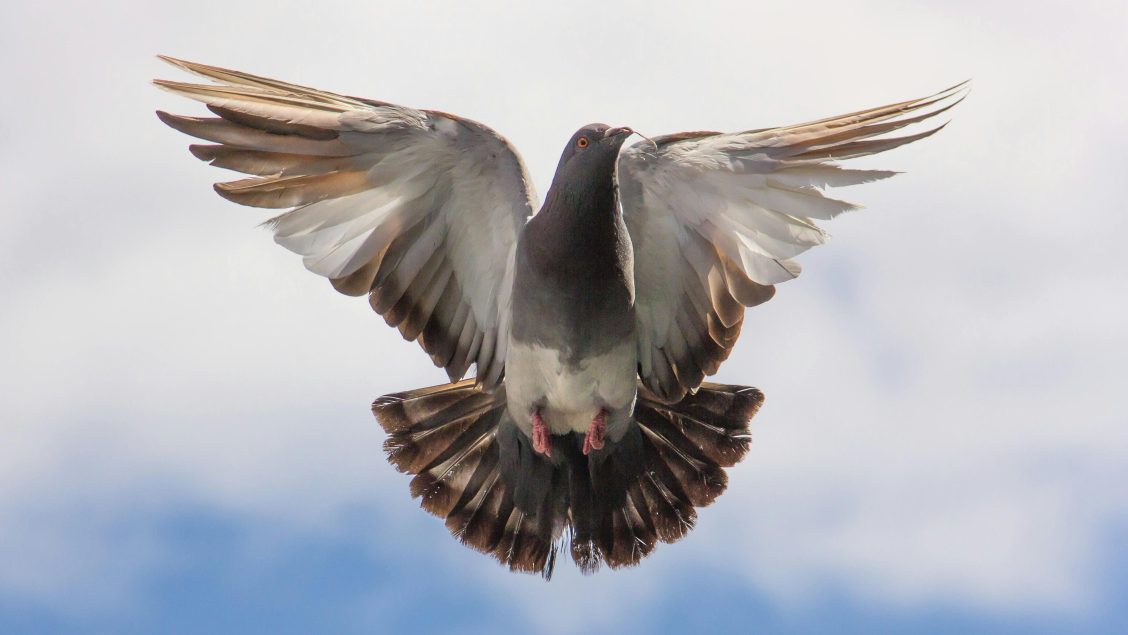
<point>715,220</point>
<point>418,209</point>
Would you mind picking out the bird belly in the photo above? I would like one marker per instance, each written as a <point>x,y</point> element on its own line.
<point>568,392</point>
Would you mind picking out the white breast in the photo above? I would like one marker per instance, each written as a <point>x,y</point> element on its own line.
<point>569,395</point>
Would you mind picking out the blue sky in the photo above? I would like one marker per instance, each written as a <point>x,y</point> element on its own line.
<point>187,445</point>
<point>312,584</point>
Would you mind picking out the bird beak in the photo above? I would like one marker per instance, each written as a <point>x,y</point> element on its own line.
<point>615,132</point>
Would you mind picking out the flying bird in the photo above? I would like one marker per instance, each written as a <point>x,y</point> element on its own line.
<point>591,319</point>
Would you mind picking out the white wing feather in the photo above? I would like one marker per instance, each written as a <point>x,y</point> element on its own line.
<point>716,220</point>
<point>418,209</point>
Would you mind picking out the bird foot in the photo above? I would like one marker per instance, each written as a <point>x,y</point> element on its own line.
<point>542,438</point>
<point>593,440</point>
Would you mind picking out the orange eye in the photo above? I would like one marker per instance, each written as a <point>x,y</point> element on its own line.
<point>582,142</point>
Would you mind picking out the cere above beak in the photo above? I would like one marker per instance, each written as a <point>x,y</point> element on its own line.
<point>615,132</point>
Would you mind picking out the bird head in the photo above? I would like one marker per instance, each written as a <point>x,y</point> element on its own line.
<point>591,153</point>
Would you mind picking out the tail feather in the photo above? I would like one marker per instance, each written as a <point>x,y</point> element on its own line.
<point>442,483</point>
<point>447,436</point>
<point>674,516</point>
<point>425,423</point>
<point>476,470</point>
<point>700,479</point>
<point>715,420</point>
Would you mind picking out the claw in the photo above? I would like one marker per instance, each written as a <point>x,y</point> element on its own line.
<point>542,438</point>
<point>593,440</point>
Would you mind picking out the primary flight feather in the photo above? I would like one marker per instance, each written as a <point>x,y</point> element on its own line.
<point>591,320</point>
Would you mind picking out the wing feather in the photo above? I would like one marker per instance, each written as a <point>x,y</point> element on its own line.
<point>716,220</point>
<point>416,208</point>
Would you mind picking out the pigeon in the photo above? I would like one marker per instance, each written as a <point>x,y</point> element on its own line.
<point>591,320</point>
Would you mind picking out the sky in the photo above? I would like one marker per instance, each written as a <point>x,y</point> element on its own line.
<point>187,444</point>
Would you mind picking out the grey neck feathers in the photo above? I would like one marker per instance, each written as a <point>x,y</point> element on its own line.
<point>583,214</point>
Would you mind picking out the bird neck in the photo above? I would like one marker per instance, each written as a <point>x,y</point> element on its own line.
<point>569,209</point>
<point>579,230</point>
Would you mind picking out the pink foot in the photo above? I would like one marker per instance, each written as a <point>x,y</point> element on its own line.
<point>542,439</point>
<point>593,440</point>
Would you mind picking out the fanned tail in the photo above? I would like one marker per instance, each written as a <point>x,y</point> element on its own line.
<point>447,436</point>
<point>648,488</point>
<point>475,469</point>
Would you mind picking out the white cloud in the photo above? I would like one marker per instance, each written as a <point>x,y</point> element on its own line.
<point>941,424</point>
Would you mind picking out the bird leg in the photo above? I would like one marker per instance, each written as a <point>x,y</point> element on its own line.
<point>542,438</point>
<point>593,440</point>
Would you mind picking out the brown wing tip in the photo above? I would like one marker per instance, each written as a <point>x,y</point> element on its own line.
<point>191,67</point>
<point>166,118</point>
<point>168,59</point>
<point>964,86</point>
<point>170,85</point>
<point>226,191</point>
<point>179,123</point>
<point>203,152</point>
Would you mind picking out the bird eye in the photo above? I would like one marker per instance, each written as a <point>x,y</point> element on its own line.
<point>582,142</point>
